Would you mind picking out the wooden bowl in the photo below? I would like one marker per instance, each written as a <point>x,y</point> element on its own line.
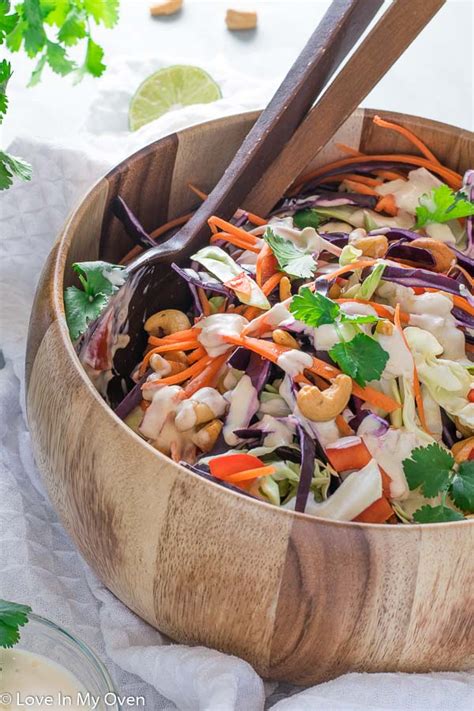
<point>302,599</point>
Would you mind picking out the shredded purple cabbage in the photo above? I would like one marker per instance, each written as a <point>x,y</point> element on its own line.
<point>308,453</point>
<point>131,223</point>
<point>132,399</point>
<point>402,250</point>
<point>422,278</point>
<point>468,185</point>
<point>325,198</point>
<point>195,279</point>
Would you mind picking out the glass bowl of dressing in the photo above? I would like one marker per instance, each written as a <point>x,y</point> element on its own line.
<point>49,669</point>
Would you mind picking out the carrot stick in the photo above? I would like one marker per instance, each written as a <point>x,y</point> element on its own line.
<point>453,179</point>
<point>348,149</point>
<point>387,204</point>
<point>389,175</point>
<point>196,355</point>
<point>343,427</point>
<point>254,219</point>
<point>409,135</point>
<point>266,264</point>
<point>217,222</point>
<point>249,474</point>
<point>186,335</point>
<point>236,241</point>
<point>349,268</point>
<point>226,464</point>
<point>184,345</point>
<point>207,376</point>
<point>197,192</point>
<point>206,306</point>
<point>362,179</point>
<point>272,283</point>
<point>178,377</point>
<point>416,381</point>
<point>169,225</point>
<point>360,188</point>
<point>378,512</point>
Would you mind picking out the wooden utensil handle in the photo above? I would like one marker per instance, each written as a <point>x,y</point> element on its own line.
<point>329,44</point>
<point>384,44</point>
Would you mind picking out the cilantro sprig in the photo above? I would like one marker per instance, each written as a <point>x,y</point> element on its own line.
<point>362,357</point>
<point>442,205</point>
<point>99,281</point>
<point>434,471</point>
<point>291,259</point>
<point>12,617</point>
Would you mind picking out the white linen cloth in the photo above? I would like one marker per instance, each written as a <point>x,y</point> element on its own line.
<point>38,563</point>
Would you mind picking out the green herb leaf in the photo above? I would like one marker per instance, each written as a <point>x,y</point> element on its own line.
<point>58,60</point>
<point>11,167</point>
<point>93,64</point>
<point>99,281</point>
<point>12,617</point>
<point>7,20</point>
<point>291,259</point>
<point>306,218</point>
<point>103,11</point>
<point>462,487</point>
<point>358,318</point>
<point>73,29</point>
<point>436,514</point>
<point>34,35</point>
<point>442,205</point>
<point>429,468</point>
<point>313,309</point>
<point>362,358</point>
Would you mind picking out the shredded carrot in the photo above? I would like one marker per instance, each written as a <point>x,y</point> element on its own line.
<point>387,204</point>
<point>182,346</point>
<point>266,264</point>
<point>356,187</point>
<point>343,427</point>
<point>409,135</point>
<point>236,241</point>
<point>206,306</point>
<point>250,474</point>
<point>378,512</point>
<point>226,464</point>
<point>389,175</point>
<point>348,149</point>
<point>355,177</point>
<point>251,217</point>
<point>453,179</point>
<point>197,192</point>
<point>465,273</point>
<point>169,225</point>
<point>178,377</point>
<point>251,312</point>
<point>208,375</point>
<point>196,355</point>
<point>380,309</point>
<point>349,268</point>
<point>272,283</point>
<point>186,335</point>
<point>416,381</point>
<point>217,222</point>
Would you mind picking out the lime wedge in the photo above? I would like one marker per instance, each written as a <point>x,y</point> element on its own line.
<point>171,88</point>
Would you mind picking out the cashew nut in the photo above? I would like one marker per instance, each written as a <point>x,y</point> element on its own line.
<point>239,20</point>
<point>283,338</point>
<point>374,246</point>
<point>167,7</point>
<point>384,327</point>
<point>462,450</point>
<point>206,437</point>
<point>334,291</point>
<point>191,413</point>
<point>285,288</point>
<point>178,356</point>
<point>165,367</point>
<point>463,429</point>
<point>443,255</point>
<point>321,406</point>
<point>168,321</point>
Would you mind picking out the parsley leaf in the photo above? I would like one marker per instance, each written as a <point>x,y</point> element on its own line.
<point>442,205</point>
<point>430,468</point>
<point>436,514</point>
<point>7,21</point>
<point>462,487</point>
<point>57,59</point>
<point>11,167</point>
<point>93,63</point>
<point>12,616</point>
<point>313,309</point>
<point>99,281</point>
<point>362,358</point>
<point>73,28</point>
<point>103,11</point>
<point>290,258</point>
<point>358,318</point>
<point>306,218</point>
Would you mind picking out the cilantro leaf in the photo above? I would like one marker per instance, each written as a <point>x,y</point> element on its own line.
<point>55,11</point>
<point>12,616</point>
<point>93,63</point>
<point>442,205</point>
<point>34,34</point>
<point>362,358</point>
<point>306,218</point>
<point>358,318</point>
<point>99,281</point>
<point>37,71</point>
<point>103,11</point>
<point>7,21</point>
<point>429,468</point>
<point>57,59</point>
<point>462,487</point>
<point>290,258</point>
<point>436,514</point>
<point>11,167</point>
<point>5,74</point>
<point>73,28</point>
<point>313,309</point>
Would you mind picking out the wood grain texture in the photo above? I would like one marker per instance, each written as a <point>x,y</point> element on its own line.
<point>302,599</point>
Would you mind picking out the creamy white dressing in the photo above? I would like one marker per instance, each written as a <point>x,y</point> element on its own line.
<point>213,329</point>
<point>34,681</point>
<point>444,328</point>
<point>326,336</point>
<point>243,406</point>
<point>275,406</point>
<point>160,365</point>
<point>163,404</point>
<point>400,360</point>
<point>279,433</point>
<point>275,317</point>
<point>294,361</point>
<point>185,412</point>
<point>407,193</point>
<point>115,276</point>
